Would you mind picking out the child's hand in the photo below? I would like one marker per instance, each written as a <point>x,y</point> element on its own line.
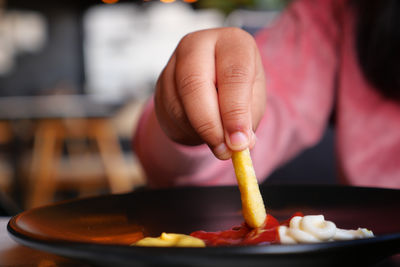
<point>213,91</point>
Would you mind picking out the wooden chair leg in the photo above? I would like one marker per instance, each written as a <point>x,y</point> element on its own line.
<point>111,155</point>
<point>46,153</point>
<point>5,173</point>
<point>5,132</point>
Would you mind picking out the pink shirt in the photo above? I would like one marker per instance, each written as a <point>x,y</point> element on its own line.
<point>309,46</point>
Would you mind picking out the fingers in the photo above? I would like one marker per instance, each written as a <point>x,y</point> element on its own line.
<point>195,79</point>
<point>213,91</point>
<point>236,75</point>
<point>169,109</point>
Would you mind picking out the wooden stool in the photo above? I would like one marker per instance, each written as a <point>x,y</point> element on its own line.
<point>5,170</point>
<point>49,139</point>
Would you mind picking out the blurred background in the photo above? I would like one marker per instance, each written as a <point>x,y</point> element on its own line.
<point>74,75</point>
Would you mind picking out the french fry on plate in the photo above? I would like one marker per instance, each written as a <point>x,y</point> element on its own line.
<point>252,203</point>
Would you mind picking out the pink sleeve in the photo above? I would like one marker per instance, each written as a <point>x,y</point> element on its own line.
<point>300,59</point>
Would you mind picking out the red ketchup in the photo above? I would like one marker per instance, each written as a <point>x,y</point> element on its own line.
<point>244,235</point>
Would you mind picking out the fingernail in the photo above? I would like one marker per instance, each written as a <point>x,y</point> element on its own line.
<point>238,140</point>
<point>222,152</point>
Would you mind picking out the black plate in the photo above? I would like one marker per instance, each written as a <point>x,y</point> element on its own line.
<point>98,229</point>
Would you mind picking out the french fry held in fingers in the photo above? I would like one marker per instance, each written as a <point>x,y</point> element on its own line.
<point>252,203</point>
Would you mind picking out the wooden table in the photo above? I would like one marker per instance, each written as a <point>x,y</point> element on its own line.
<point>57,119</point>
<point>13,254</point>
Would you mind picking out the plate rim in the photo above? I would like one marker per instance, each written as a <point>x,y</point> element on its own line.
<point>72,248</point>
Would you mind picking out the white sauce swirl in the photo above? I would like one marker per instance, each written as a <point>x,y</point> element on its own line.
<point>314,229</point>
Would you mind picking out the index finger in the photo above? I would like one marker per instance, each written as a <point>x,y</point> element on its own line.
<point>236,69</point>
<point>195,82</point>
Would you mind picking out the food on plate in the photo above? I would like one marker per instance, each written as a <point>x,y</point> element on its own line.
<point>314,229</point>
<point>298,229</point>
<point>252,203</point>
<point>259,227</point>
<point>242,235</point>
<point>171,240</point>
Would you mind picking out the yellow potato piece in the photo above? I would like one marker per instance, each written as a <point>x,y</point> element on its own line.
<point>252,203</point>
<point>170,240</point>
